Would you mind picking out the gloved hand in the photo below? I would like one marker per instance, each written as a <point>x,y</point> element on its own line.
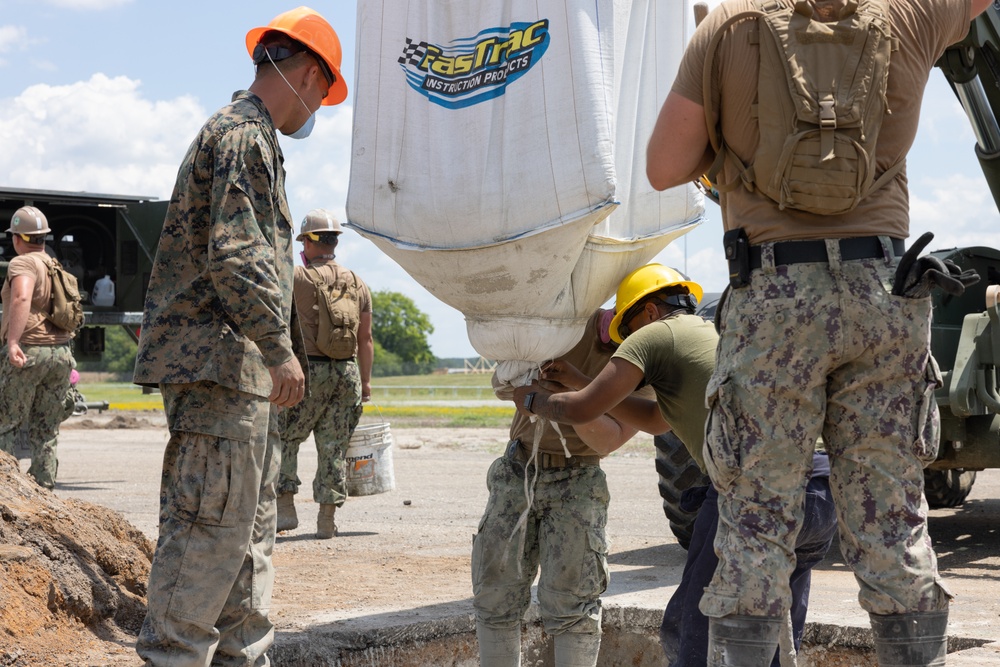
<point>917,276</point>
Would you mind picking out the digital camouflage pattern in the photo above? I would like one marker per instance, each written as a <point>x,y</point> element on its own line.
<point>814,349</point>
<point>34,395</point>
<point>568,517</point>
<point>219,301</point>
<point>330,412</point>
<point>218,313</point>
<point>212,575</point>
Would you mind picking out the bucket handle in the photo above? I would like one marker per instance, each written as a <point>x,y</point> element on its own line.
<point>377,407</point>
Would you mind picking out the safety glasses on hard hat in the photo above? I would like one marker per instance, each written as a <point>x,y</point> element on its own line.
<point>279,53</point>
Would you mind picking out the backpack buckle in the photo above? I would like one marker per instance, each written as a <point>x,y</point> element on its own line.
<point>827,115</point>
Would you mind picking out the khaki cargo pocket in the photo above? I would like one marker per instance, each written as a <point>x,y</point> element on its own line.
<point>211,469</point>
<point>927,418</point>
<point>721,451</point>
<point>599,546</point>
<point>477,554</point>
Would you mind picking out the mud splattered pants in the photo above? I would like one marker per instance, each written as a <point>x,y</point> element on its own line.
<point>34,395</point>
<point>565,540</point>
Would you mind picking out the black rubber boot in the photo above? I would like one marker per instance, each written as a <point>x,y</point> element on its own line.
<point>911,640</point>
<point>742,641</point>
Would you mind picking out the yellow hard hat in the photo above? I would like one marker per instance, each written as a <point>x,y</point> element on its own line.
<point>642,282</point>
<point>307,26</point>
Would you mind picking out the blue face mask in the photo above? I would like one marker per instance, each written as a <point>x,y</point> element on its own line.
<point>305,130</point>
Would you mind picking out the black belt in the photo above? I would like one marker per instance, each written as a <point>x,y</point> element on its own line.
<point>801,252</point>
<point>322,359</point>
<point>516,451</point>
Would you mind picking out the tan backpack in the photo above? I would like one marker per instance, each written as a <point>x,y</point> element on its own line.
<point>339,314</point>
<point>821,95</point>
<point>67,309</point>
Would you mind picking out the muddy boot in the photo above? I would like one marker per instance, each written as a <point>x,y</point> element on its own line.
<point>905,640</point>
<point>499,648</point>
<point>325,527</point>
<point>287,520</point>
<point>574,649</point>
<point>742,641</point>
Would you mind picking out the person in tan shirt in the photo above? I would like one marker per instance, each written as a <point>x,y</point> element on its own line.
<point>36,360</point>
<point>813,342</point>
<point>340,376</point>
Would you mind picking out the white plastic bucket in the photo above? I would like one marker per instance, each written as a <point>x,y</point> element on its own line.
<point>369,461</point>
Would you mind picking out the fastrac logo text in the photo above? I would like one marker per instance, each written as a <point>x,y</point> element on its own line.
<point>474,69</point>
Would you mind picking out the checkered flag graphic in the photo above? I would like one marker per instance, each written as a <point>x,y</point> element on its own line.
<point>413,53</point>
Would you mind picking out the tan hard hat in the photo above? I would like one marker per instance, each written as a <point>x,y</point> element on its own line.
<point>318,221</point>
<point>28,220</point>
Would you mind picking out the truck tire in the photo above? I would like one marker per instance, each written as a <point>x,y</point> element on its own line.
<point>947,488</point>
<point>678,472</point>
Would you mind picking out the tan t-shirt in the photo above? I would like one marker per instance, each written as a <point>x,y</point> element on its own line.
<point>589,357</point>
<point>38,330</point>
<point>308,308</point>
<point>925,28</point>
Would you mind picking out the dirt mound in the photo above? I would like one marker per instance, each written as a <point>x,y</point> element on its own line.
<point>115,422</point>
<point>72,575</point>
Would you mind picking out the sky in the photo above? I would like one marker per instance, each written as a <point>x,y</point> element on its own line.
<point>106,95</point>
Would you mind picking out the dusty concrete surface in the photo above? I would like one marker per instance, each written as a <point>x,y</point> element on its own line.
<point>399,571</point>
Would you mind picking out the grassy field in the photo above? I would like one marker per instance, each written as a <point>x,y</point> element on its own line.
<point>421,400</point>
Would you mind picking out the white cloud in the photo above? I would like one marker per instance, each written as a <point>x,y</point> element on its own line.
<point>13,37</point>
<point>99,135</point>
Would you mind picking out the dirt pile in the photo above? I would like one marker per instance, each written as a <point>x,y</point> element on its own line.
<point>72,575</point>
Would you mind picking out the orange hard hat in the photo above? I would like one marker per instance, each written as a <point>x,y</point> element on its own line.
<point>308,27</point>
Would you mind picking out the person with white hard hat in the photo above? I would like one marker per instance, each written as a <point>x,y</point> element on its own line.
<point>340,373</point>
<point>37,356</point>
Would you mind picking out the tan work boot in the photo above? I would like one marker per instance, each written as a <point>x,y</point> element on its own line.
<point>287,520</point>
<point>325,527</point>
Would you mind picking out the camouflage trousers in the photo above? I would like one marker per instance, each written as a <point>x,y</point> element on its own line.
<point>565,540</point>
<point>823,349</point>
<point>34,396</point>
<point>210,584</point>
<point>330,413</point>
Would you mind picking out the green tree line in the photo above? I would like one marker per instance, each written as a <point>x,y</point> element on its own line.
<point>399,328</point>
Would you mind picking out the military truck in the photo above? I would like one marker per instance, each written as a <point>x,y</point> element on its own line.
<point>93,236</point>
<point>965,335</point>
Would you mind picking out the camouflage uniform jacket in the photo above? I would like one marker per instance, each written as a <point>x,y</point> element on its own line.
<point>219,306</point>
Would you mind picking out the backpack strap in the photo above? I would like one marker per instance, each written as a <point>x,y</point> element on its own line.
<point>717,141</point>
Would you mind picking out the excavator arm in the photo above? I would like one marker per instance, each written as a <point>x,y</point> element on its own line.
<point>972,67</point>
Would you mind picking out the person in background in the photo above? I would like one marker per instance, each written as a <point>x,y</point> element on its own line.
<point>822,334</point>
<point>546,513</point>
<point>220,338</point>
<point>339,376</point>
<point>37,356</point>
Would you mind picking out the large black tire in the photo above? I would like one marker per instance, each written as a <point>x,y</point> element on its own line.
<point>948,488</point>
<point>678,472</point>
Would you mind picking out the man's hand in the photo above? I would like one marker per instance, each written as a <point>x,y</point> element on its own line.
<point>565,374</point>
<point>916,276</point>
<point>16,355</point>
<point>288,383</point>
<point>366,391</point>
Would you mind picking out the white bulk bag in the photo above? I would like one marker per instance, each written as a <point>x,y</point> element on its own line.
<point>492,140</point>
